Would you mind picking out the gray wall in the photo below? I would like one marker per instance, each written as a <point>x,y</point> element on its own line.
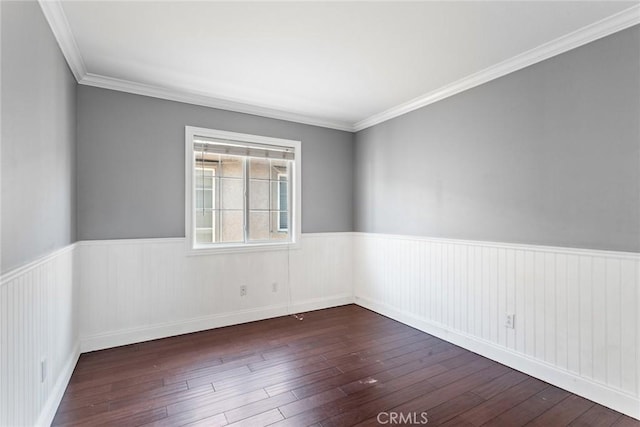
<point>131,165</point>
<point>38,138</point>
<point>547,155</point>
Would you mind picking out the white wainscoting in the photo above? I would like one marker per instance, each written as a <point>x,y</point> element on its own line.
<point>142,289</point>
<point>576,311</point>
<point>38,320</point>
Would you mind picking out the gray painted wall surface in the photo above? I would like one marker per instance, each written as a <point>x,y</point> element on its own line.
<point>38,138</point>
<point>547,155</point>
<point>131,165</point>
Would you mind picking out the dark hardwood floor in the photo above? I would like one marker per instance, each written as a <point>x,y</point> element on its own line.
<point>337,367</point>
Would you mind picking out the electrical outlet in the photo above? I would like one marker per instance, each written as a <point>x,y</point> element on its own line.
<point>243,290</point>
<point>510,321</point>
<point>43,370</point>
<point>274,287</point>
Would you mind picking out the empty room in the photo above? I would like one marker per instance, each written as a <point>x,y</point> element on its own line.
<point>307,213</point>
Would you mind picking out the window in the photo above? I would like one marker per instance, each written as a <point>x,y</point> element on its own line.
<point>242,191</point>
<point>282,200</point>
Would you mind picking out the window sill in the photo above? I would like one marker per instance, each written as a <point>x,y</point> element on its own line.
<point>240,248</point>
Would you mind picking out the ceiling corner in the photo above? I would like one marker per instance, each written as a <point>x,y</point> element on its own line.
<point>592,32</point>
<point>55,16</point>
<point>120,85</point>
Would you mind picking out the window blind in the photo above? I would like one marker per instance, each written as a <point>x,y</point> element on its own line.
<point>238,148</point>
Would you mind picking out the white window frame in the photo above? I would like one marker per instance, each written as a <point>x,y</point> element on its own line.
<point>278,201</point>
<point>214,194</point>
<point>295,202</point>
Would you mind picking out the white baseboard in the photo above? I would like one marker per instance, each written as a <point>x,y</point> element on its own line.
<point>157,331</point>
<point>592,390</point>
<point>321,303</point>
<point>55,397</point>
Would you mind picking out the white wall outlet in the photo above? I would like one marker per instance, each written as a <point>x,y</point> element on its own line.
<point>243,290</point>
<point>43,370</point>
<point>510,321</point>
<point>274,287</point>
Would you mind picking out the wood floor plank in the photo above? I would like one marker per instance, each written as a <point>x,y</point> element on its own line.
<point>258,407</point>
<point>197,380</point>
<point>531,408</point>
<point>137,419</point>
<point>443,412</point>
<point>354,411</point>
<point>626,421</point>
<point>597,416</point>
<point>71,403</point>
<point>218,420</point>
<point>337,367</point>
<point>384,376</point>
<point>264,381</point>
<point>306,418</point>
<point>454,422</point>
<point>167,393</point>
<point>435,416</point>
<point>501,402</point>
<point>500,384</point>
<point>311,402</point>
<point>358,360</point>
<point>424,402</point>
<point>214,372</point>
<point>195,410</point>
<point>211,399</point>
<point>274,374</point>
<point>416,381</point>
<point>84,412</point>
<point>371,369</point>
<point>298,382</point>
<point>136,406</point>
<point>460,372</point>
<point>361,405</point>
<point>262,419</point>
<point>563,413</point>
<point>293,356</point>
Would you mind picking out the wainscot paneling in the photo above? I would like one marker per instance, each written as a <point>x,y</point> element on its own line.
<point>137,290</point>
<point>38,332</point>
<point>576,311</point>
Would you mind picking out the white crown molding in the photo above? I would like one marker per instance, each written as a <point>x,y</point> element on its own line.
<point>104,82</point>
<point>54,14</point>
<point>582,36</point>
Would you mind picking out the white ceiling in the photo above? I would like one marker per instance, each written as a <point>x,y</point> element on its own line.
<point>333,62</point>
